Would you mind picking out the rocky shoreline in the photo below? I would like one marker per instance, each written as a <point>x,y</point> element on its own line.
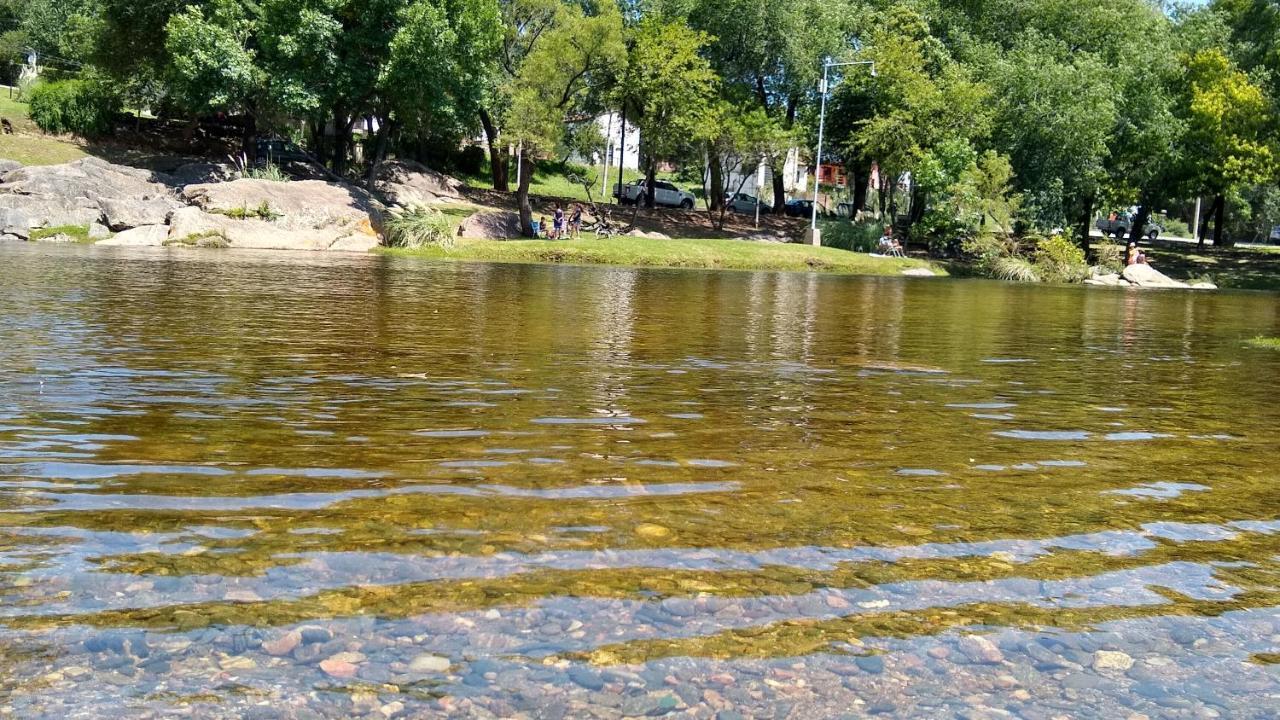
<point>204,205</point>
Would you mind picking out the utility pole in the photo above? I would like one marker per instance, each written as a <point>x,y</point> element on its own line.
<point>813,236</point>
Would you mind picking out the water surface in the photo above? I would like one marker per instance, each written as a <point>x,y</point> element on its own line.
<point>258,485</point>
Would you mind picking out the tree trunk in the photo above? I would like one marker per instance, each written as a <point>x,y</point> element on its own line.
<point>379,152</point>
<point>716,186</point>
<point>1086,224</point>
<point>249,138</point>
<point>650,175</point>
<point>861,178</point>
<point>1219,215</point>
<point>522,195</point>
<point>341,141</point>
<point>1139,226</point>
<point>319,148</point>
<point>499,161</point>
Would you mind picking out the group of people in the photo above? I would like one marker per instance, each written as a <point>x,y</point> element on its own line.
<point>563,225</point>
<point>1134,255</point>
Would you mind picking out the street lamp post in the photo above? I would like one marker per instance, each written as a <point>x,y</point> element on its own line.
<point>814,237</point>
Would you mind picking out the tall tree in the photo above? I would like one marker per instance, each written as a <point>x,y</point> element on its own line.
<point>667,89</point>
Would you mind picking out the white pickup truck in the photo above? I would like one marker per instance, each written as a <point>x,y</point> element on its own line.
<point>664,193</point>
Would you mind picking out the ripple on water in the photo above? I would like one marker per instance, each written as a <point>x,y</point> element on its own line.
<point>619,420</point>
<point>1055,435</point>
<point>1161,489</point>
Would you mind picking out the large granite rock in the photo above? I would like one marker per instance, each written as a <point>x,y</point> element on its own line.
<point>125,213</point>
<point>145,236</point>
<point>7,165</point>
<point>193,226</point>
<point>1107,280</point>
<point>491,225</point>
<point>76,194</point>
<point>303,205</point>
<point>406,183</point>
<point>1145,276</point>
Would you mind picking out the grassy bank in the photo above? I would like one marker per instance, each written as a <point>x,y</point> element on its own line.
<point>28,145</point>
<point>646,252</point>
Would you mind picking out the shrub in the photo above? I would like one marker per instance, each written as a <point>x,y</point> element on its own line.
<point>1109,256</point>
<point>82,107</point>
<point>469,160</point>
<point>1057,259</point>
<point>1176,228</point>
<point>852,236</point>
<point>1015,268</point>
<point>418,227</point>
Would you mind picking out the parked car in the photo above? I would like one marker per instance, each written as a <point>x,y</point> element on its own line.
<point>1119,227</point>
<point>277,151</point>
<point>799,207</point>
<point>1275,235</point>
<point>744,203</point>
<point>664,193</point>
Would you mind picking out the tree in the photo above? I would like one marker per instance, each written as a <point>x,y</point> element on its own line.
<point>667,89</point>
<point>1227,115</point>
<point>560,79</point>
<point>739,142</point>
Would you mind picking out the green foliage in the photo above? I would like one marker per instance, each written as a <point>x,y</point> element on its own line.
<point>1227,116</point>
<point>863,237</point>
<point>1264,343</point>
<point>83,107</point>
<point>262,212</point>
<point>1109,256</point>
<point>212,64</point>
<point>1057,259</point>
<point>269,171</point>
<point>78,233</point>
<point>1015,268</point>
<point>419,227</point>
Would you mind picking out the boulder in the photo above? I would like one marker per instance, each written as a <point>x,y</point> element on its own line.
<point>193,226</point>
<point>126,213</point>
<point>74,194</point>
<point>8,165</point>
<point>1145,276</point>
<point>85,181</point>
<point>406,183</point>
<point>303,205</point>
<point>491,225</point>
<point>16,222</point>
<point>144,236</point>
<point>98,231</point>
<point>201,172</point>
<point>1107,280</point>
<point>1203,285</point>
<point>918,272</point>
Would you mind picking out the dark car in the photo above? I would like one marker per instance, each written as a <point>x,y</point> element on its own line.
<point>277,151</point>
<point>799,208</point>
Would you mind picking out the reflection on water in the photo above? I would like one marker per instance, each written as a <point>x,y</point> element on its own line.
<point>257,485</point>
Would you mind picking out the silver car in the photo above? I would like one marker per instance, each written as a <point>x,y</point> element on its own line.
<point>744,203</point>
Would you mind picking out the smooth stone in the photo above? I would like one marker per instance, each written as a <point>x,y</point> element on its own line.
<point>284,644</point>
<point>1111,660</point>
<point>338,668</point>
<point>313,634</point>
<point>873,664</point>
<point>651,531</point>
<point>980,650</point>
<point>430,663</point>
<point>586,678</point>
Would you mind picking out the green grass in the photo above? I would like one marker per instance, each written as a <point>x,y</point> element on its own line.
<point>552,179</point>
<point>1264,343</point>
<point>680,253</point>
<point>79,233</point>
<point>28,145</point>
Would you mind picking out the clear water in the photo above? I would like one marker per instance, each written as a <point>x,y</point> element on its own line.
<point>288,486</point>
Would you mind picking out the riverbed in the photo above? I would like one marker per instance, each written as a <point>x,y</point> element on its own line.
<point>258,485</point>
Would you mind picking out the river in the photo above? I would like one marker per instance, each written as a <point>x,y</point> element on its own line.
<point>259,485</point>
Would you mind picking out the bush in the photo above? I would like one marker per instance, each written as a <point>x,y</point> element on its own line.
<point>1109,256</point>
<point>418,227</point>
<point>855,237</point>
<point>82,107</point>
<point>1176,228</point>
<point>469,160</point>
<point>1058,259</point>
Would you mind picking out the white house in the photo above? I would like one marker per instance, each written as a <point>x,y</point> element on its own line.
<point>795,179</point>
<point>628,152</point>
